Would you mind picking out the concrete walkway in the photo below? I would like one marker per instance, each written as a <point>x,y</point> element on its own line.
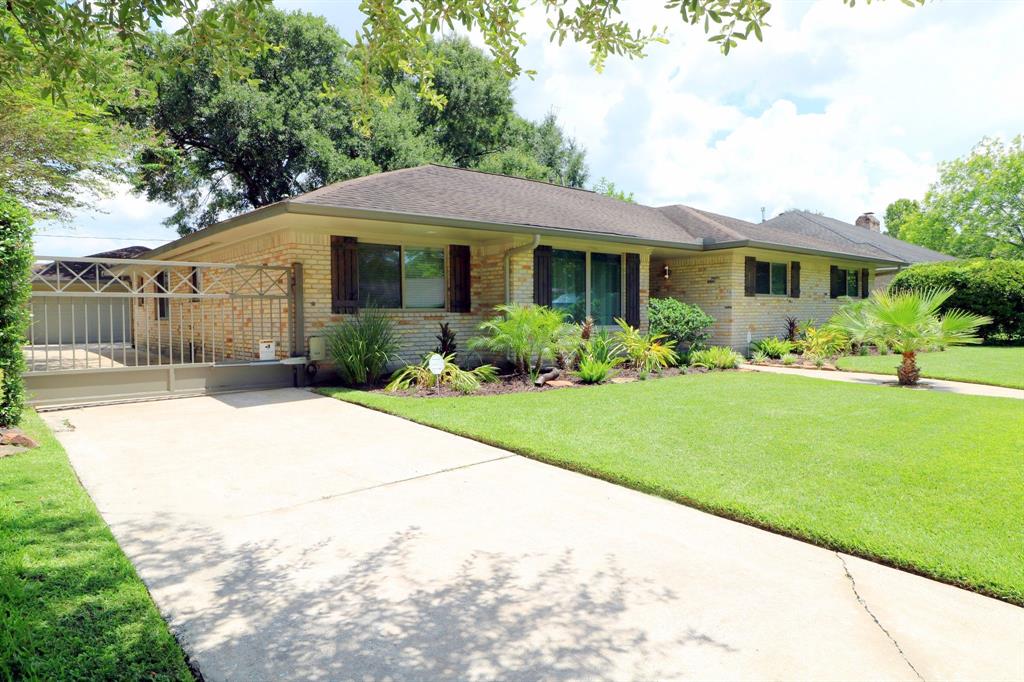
<point>940,385</point>
<point>290,536</point>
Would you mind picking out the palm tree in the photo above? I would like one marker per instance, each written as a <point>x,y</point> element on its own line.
<point>909,322</point>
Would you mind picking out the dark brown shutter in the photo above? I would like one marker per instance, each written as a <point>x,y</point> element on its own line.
<point>344,275</point>
<point>833,278</point>
<point>749,276</point>
<point>794,276</point>
<point>632,311</point>
<point>458,278</point>
<point>864,283</point>
<point>542,275</point>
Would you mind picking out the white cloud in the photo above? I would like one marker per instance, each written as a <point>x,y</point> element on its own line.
<point>840,110</point>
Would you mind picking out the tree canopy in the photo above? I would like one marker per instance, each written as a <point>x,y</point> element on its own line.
<point>975,208</point>
<point>899,212</point>
<point>224,146</point>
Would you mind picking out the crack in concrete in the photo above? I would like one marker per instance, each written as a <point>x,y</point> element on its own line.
<point>867,609</point>
<point>385,484</point>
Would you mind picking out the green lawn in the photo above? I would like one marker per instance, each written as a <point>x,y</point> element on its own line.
<point>999,366</point>
<point>926,481</point>
<point>71,605</point>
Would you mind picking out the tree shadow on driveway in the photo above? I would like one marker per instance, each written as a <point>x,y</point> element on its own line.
<point>261,611</point>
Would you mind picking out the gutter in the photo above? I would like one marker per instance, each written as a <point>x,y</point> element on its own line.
<point>508,264</point>
<point>754,244</point>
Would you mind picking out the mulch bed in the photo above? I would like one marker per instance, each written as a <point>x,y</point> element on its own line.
<point>513,383</point>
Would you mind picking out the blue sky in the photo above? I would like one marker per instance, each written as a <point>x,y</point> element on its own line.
<point>840,110</point>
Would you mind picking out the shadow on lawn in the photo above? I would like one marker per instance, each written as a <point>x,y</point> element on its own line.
<point>265,613</point>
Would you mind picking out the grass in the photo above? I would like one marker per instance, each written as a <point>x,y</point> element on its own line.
<point>929,482</point>
<point>998,366</point>
<point>71,605</point>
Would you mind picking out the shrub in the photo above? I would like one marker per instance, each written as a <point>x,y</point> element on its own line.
<point>992,287</point>
<point>788,359</point>
<point>569,345</point>
<point>646,352</point>
<point>773,347</point>
<point>792,329</point>
<point>362,346</point>
<point>716,357</point>
<point>446,342</point>
<point>594,370</point>
<point>601,346</point>
<point>759,357</point>
<point>464,381</point>
<point>15,272</point>
<point>527,334</point>
<point>684,323</point>
<point>823,341</point>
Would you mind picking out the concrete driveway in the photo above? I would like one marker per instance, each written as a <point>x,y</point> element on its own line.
<point>290,536</point>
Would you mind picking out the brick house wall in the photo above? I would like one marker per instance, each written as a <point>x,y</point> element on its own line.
<point>239,328</point>
<point>714,281</point>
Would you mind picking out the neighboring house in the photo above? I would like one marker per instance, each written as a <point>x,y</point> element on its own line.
<point>435,244</point>
<point>867,232</point>
<point>81,319</point>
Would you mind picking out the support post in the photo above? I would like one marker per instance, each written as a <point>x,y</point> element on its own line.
<point>298,318</point>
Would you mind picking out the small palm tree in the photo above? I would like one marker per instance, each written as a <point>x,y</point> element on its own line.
<point>909,322</point>
<point>528,334</point>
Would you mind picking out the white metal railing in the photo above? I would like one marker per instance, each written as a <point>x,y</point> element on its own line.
<point>101,313</point>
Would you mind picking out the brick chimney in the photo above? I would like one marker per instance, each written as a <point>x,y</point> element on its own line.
<point>869,221</point>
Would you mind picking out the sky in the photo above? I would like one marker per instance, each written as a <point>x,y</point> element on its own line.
<point>840,110</point>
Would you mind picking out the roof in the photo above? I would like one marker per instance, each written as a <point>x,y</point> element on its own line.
<point>460,197</point>
<point>463,194</point>
<point>87,270</point>
<point>845,235</point>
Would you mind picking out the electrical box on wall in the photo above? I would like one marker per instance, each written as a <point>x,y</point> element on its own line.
<point>268,349</point>
<point>317,349</point>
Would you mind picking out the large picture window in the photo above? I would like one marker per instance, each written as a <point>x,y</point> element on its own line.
<point>605,287</point>
<point>771,278</point>
<point>569,283</point>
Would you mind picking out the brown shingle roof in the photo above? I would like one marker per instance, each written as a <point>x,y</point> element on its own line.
<point>443,192</point>
<point>845,235</point>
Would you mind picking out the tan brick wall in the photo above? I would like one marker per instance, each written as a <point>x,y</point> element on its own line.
<point>714,281</point>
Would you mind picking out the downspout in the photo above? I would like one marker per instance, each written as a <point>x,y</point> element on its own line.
<point>508,264</point>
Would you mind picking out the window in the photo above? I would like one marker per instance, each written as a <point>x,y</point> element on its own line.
<point>569,283</point>
<point>605,287</point>
<point>380,276</point>
<point>771,278</point>
<point>847,283</point>
<point>852,283</point>
<point>162,286</point>
<point>424,277</point>
<point>397,277</point>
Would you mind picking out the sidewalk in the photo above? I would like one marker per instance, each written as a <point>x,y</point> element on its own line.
<point>942,385</point>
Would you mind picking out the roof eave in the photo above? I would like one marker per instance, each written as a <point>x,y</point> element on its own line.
<point>753,243</point>
<point>303,208</point>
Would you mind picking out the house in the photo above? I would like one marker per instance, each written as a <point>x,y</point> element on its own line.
<point>435,244</point>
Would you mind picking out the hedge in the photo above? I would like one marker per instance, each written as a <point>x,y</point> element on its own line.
<point>15,270</point>
<point>986,286</point>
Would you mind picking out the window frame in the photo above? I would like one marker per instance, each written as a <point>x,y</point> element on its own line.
<point>856,277</point>
<point>588,285</point>
<point>401,274</point>
<point>771,265</point>
<point>162,285</point>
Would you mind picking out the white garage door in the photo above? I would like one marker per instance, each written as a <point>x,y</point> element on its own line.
<point>80,320</point>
